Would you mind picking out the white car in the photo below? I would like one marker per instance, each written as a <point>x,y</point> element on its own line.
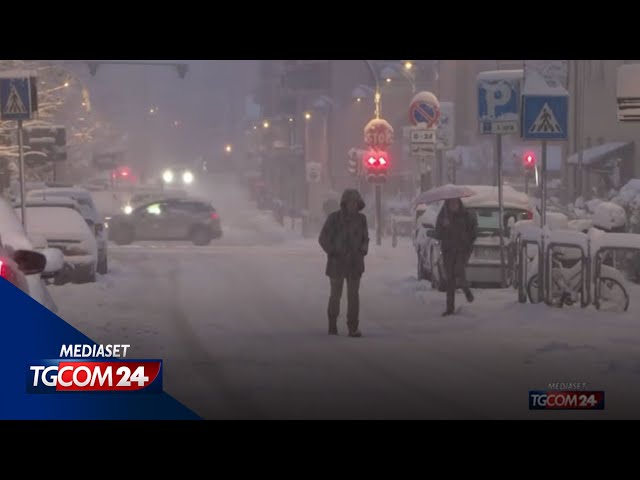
<point>89,212</point>
<point>65,229</point>
<point>484,264</point>
<point>13,239</point>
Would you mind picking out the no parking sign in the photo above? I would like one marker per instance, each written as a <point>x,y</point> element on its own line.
<point>424,109</point>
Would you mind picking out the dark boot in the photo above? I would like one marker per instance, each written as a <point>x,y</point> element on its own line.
<point>451,299</point>
<point>355,333</point>
<point>333,327</point>
<point>469,295</point>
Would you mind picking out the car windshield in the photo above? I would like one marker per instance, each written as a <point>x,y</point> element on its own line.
<point>489,217</point>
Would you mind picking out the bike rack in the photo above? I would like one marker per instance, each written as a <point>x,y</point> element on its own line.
<point>521,264</point>
<point>585,297</point>
<point>598,256</point>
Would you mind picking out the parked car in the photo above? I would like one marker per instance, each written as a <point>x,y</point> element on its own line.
<point>89,212</point>
<point>65,229</point>
<point>484,264</point>
<point>21,264</point>
<point>170,219</point>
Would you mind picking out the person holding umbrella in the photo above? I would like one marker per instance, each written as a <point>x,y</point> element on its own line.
<point>457,230</point>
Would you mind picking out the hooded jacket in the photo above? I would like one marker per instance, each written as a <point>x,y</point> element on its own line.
<point>345,238</point>
<point>456,231</point>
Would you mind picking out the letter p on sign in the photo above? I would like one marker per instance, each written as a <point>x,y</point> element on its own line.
<point>498,95</point>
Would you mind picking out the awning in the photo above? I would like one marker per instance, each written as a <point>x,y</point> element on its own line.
<point>600,153</point>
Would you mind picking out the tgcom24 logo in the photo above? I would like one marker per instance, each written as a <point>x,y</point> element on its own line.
<point>93,368</point>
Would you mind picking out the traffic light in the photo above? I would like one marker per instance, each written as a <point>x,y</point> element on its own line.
<point>377,165</point>
<point>529,160</point>
<point>51,141</point>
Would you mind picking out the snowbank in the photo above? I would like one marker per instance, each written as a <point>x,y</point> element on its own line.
<point>608,215</point>
<point>600,239</point>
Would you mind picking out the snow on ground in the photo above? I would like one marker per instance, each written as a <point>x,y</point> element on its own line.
<point>242,330</point>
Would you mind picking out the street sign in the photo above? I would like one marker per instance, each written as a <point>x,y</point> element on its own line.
<point>446,127</point>
<point>313,172</point>
<point>378,133</point>
<point>423,150</point>
<point>499,101</point>
<point>545,117</point>
<point>422,142</point>
<point>15,98</point>
<point>421,136</point>
<point>424,109</point>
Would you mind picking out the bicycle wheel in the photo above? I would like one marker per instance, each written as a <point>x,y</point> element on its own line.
<point>613,296</point>
<point>533,292</point>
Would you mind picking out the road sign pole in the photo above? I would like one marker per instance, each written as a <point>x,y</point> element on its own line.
<point>23,209</point>
<point>526,183</point>
<point>500,207</point>
<point>439,169</point>
<point>378,191</point>
<point>542,264</point>
<point>543,185</point>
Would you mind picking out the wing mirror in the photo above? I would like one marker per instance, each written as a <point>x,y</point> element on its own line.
<point>29,262</point>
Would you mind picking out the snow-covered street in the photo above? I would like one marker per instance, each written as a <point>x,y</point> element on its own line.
<point>241,326</point>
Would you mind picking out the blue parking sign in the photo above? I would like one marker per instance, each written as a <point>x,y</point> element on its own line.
<point>499,101</point>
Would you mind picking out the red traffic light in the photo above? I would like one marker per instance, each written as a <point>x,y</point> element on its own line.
<point>529,159</point>
<point>375,159</point>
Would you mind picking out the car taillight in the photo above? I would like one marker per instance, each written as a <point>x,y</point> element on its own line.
<point>6,272</point>
<point>214,216</point>
<point>529,215</point>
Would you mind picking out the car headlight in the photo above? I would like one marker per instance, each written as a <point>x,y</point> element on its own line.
<point>128,209</point>
<point>187,177</point>
<point>167,176</point>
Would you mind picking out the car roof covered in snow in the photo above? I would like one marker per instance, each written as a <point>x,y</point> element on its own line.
<point>487,196</point>
<point>76,191</point>
<point>55,220</point>
<point>52,202</point>
<point>12,233</point>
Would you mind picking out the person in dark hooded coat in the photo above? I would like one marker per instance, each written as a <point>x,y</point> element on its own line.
<point>345,240</point>
<point>456,229</point>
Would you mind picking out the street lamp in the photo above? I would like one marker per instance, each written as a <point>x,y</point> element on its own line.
<point>408,65</point>
<point>265,124</point>
<point>228,148</point>
<point>393,71</point>
<point>307,116</point>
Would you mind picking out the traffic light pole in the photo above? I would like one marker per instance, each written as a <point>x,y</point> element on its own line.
<point>500,207</point>
<point>378,192</point>
<point>542,265</point>
<point>23,209</point>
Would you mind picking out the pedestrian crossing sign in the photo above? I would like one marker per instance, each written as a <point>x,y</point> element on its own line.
<point>15,98</point>
<point>545,117</point>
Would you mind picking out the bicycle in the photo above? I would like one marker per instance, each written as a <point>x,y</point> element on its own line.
<point>567,285</point>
